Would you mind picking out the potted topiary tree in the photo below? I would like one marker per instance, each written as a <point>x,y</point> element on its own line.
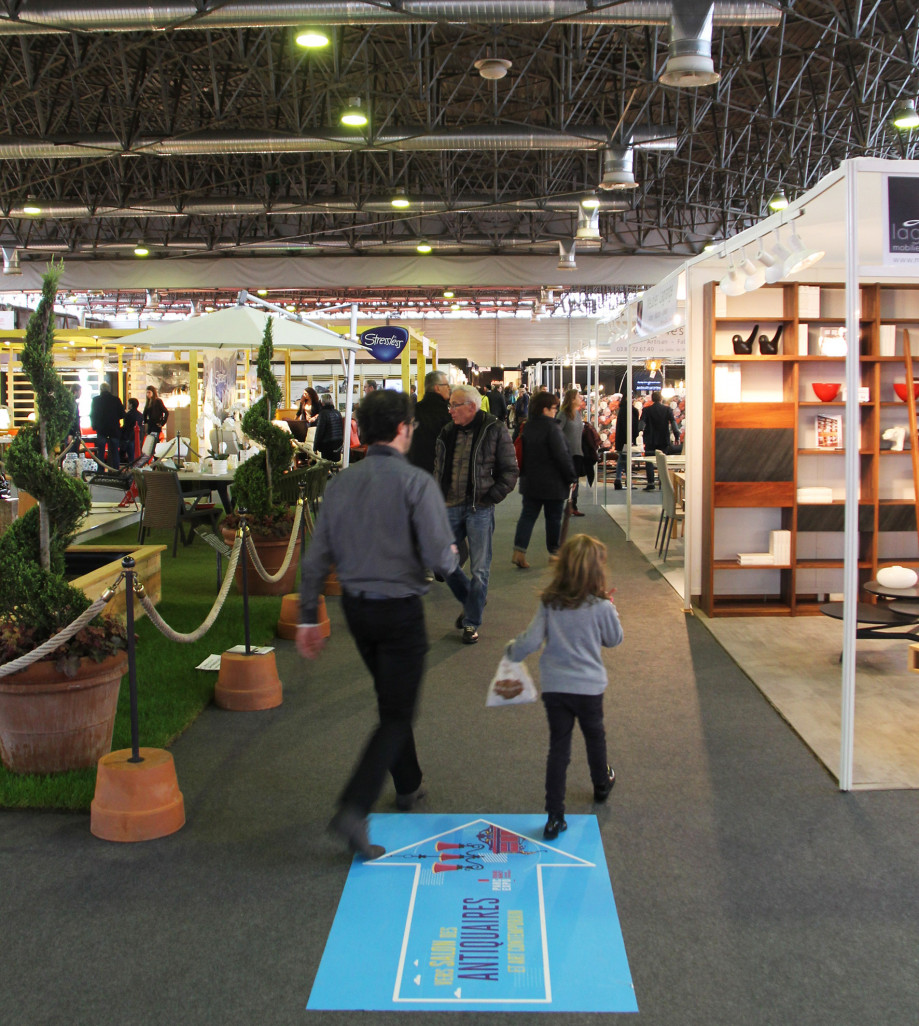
<point>59,712</point>
<point>256,481</point>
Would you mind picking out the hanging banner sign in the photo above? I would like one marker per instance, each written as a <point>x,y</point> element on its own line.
<point>477,915</point>
<point>668,345</point>
<point>658,306</point>
<point>901,243</point>
<point>386,343</point>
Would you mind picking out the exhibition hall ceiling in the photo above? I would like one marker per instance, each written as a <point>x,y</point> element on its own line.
<point>206,131</point>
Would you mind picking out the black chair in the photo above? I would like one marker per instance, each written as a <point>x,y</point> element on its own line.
<point>165,506</point>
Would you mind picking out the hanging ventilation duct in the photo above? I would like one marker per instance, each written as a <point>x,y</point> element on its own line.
<point>618,172</point>
<point>65,16</point>
<point>690,62</point>
<point>11,261</point>
<point>588,227</point>
<point>566,255</point>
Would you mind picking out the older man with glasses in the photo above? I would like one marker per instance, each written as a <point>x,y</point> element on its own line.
<point>476,468</point>
<point>432,414</point>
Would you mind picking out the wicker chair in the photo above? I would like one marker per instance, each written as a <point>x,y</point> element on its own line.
<point>166,506</point>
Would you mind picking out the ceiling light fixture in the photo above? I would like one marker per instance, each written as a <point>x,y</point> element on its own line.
<point>492,68</point>
<point>778,200</point>
<point>801,256</point>
<point>31,208</point>
<point>312,38</point>
<point>400,201</point>
<point>754,272</point>
<point>590,201</point>
<point>140,250</point>
<point>423,246</point>
<point>353,116</point>
<point>617,169</point>
<point>732,284</point>
<point>904,115</point>
<point>449,293</point>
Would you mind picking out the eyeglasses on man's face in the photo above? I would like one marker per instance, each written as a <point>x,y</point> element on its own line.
<point>457,406</point>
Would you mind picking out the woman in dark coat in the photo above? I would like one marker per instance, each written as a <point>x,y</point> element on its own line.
<point>546,474</point>
<point>155,417</point>
<point>329,430</point>
<point>309,405</point>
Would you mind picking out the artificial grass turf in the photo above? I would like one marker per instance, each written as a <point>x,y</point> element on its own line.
<point>171,692</point>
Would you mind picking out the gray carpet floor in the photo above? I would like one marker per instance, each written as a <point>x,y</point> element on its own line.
<point>749,890</point>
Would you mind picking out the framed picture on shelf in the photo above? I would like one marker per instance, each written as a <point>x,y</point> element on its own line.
<point>829,432</point>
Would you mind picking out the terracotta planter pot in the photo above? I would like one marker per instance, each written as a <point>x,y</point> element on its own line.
<point>50,723</point>
<point>271,552</point>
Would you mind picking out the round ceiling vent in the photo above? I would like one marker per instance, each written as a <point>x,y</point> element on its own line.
<point>492,67</point>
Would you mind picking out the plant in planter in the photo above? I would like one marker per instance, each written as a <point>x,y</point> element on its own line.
<point>36,602</point>
<point>255,483</point>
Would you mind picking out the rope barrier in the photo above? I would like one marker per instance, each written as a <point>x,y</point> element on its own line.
<point>208,622</point>
<point>291,545</point>
<point>20,663</point>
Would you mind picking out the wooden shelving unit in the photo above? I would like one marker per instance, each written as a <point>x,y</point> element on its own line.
<point>761,447</point>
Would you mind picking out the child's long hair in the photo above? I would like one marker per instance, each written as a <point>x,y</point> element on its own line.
<point>579,573</point>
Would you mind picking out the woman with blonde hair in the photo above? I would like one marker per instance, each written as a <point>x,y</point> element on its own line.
<point>571,418</point>
<point>576,620</point>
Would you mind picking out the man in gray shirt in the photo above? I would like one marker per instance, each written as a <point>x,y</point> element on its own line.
<point>382,522</point>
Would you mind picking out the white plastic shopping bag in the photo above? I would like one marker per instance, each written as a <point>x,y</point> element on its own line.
<point>511,684</point>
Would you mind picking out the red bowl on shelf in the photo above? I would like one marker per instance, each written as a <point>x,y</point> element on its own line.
<point>826,391</point>
<point>900,388</point>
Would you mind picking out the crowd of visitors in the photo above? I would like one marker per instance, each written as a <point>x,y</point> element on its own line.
<point>435,470</point>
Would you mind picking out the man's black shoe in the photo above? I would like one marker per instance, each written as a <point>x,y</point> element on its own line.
<point>554,826</point>
<point>407,802</point>
<point>617,485</point>
<point>470,636</point>
<point>649,488</point>
<point>601,791</point>
<point>351,826</point>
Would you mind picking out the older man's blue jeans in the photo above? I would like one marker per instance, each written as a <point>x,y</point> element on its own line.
<point>476,525</point>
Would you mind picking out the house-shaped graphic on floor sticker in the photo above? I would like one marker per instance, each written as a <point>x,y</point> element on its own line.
<point>477,914</point>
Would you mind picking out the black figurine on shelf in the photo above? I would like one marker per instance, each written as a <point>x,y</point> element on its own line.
<point>743,347</point>
<point>768,348</point>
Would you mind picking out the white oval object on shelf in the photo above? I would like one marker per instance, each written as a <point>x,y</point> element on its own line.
<point>897,577</point>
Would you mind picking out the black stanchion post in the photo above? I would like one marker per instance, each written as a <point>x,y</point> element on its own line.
<point>244,528</point>
<point>302,488</point>
<point>127,565</point>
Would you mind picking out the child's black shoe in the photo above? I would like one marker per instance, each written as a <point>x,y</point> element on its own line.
<point>554,826</point>
<point>601,791</point>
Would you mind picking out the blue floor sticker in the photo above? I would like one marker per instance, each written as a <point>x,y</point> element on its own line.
<point>475,914</point>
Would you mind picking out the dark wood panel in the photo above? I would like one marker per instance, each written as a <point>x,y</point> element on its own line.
<point>754,493</point>
<point>754,454</point>
<point>824,517</point>
<point>754,415</point>
<point>897,518</point>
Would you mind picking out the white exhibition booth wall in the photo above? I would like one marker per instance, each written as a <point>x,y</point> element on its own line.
<point>845,214</point>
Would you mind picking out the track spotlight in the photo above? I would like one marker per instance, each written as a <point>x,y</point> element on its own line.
<point>732,284</point>
<point>754,273</point>
<point>801,256</point>
<point>779,253</point>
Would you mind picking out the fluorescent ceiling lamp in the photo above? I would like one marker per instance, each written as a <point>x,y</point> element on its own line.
<point>778,200</point>
<point>353,116</point>
<point>312,38</point>
<point>801,257</point>
<point>904,115</point>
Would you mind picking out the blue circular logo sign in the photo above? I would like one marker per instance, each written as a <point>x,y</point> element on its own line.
<point>385,344</point>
